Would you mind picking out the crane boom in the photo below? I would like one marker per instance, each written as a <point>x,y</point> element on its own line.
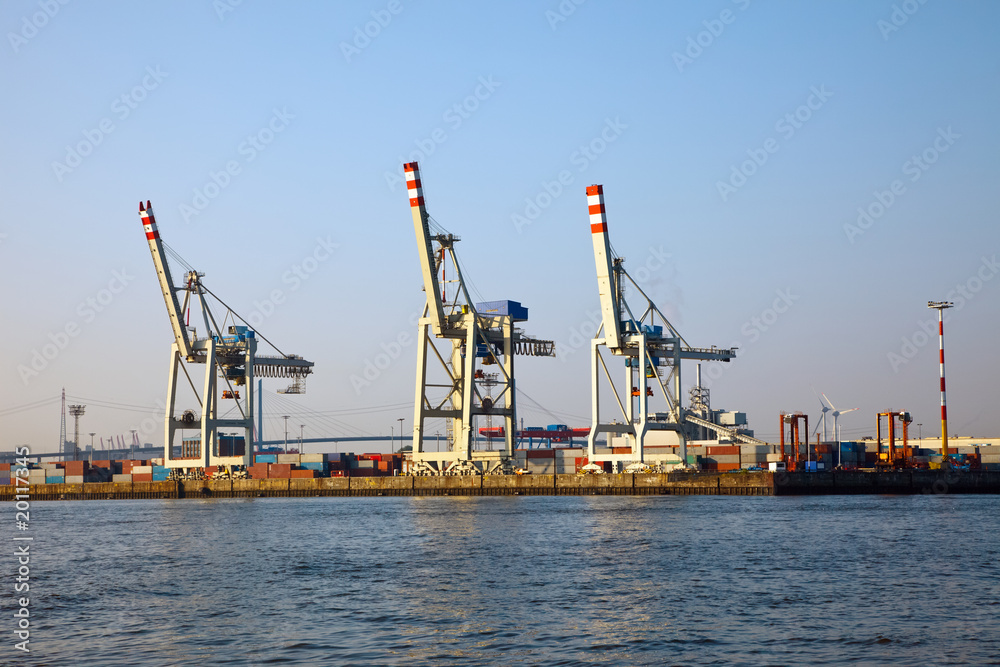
<point>166,284</point>
<point>427,263</point>
<point>606,279</point>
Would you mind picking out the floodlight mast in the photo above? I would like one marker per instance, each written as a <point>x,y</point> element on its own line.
<point>941,306</point>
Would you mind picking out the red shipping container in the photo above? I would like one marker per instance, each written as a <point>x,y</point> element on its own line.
<point>4,466</point>
<point>76,467</point>
<point>211,470</point>
<point>106,464</point>
<point>540,454</point>
<point>725,450</point>
<point>279,470</point>
<point>370,457</point>
<point>304,474</point>
<point>723,467</point>
<point>621,450</point>
<point>145,477</point>
<point>258,471</point>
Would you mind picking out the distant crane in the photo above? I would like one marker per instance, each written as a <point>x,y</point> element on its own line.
<point>477,337</point>
<point>648,342</point>
<point>231,356</point>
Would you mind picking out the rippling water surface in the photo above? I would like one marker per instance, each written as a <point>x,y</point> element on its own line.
<point>523,580</point>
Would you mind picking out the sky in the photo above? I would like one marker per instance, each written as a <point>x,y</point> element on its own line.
<point>796,180</point>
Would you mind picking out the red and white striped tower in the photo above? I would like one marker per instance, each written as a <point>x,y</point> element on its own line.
<point>940,307</point>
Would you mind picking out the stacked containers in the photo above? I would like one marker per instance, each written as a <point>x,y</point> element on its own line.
<point>4,473</point>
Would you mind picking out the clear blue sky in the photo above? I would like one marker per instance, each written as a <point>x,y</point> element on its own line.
<point>740,139</point>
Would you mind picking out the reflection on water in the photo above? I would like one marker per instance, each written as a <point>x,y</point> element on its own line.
<point>522,580</point>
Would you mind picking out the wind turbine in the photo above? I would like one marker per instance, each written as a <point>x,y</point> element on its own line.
<point>836,413</point>
<point>822,419</point>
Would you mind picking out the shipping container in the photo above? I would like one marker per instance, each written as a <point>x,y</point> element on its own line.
<point>122,478</point>
<point>266,458</point>
<point>279,470</point>
<point>142,477</point>
<point>513,308</point>
<point>303,474</point>
<point>539,454</point>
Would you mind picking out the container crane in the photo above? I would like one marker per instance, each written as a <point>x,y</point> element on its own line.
<point>230,356</point>
<point>893,457</point>
<point>482,334</point>
<point>647,341</point>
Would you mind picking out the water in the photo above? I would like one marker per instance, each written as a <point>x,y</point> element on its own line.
<point>521,580</point>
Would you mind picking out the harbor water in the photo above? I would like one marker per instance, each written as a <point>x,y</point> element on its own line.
<point>635,580</point>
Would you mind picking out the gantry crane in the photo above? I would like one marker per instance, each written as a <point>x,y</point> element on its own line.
<point>231,356</point>
<point>647,341</point>
<point>893,457</point>
<point>477,338</point>
<point>793,460</point>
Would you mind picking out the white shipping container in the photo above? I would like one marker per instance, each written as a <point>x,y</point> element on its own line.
<point>142,470</point>
<point>312,458</point>
<point>121,478</point>
<point>773,457</point>
<point>288,458</point>
<point>74,479</point>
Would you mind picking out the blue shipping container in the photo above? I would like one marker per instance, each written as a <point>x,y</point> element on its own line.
<point>557,427</point>
<point>267,458</point>
<point>512,308</point>
<point>318,465</point>
<point>160,476</point>
<point>54,480</point>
